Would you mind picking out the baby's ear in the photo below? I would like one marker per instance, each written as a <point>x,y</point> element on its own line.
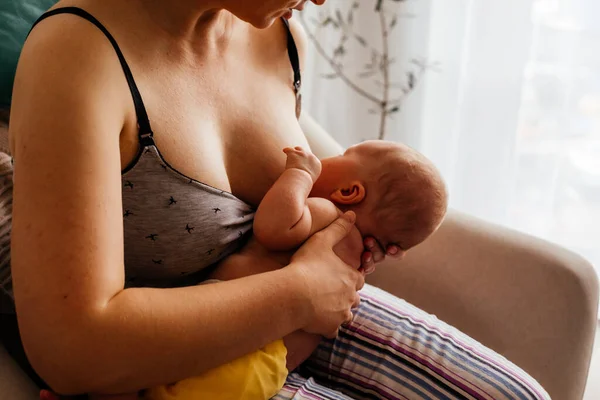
<point>354,193</point>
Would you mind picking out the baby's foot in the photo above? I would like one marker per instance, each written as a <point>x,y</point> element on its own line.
<point>303,160</point>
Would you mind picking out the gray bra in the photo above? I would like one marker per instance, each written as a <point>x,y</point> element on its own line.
<point>174,226</point>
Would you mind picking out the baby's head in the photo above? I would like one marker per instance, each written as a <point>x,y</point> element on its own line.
<point>398,195</point>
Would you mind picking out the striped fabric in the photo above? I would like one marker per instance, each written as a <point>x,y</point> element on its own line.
<point>393,350</point>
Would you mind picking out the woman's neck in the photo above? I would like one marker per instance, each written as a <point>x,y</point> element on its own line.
<point>189,20</point>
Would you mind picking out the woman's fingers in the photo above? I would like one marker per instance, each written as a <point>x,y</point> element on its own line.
<point>367,264</point>
<point>374,254</point>
<point>356,301</point>
<point>395,251</point>
<point>375,249</point>
<point>333,282</point>
<point>348,319</point>
<point>333,334</point>
<point>360,280</point>
<point>338,229</point>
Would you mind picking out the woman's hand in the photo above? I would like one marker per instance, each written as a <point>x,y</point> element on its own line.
<point>374,254</point>
<point>329,284</point>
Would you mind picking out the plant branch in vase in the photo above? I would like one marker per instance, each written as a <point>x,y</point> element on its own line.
<point>390,95</point>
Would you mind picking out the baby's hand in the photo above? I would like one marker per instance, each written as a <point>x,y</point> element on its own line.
<point>303,160</point>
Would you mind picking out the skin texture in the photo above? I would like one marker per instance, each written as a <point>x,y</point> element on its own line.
<point>81,330</point>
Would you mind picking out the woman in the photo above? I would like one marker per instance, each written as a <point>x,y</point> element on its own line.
<point>110,234</point>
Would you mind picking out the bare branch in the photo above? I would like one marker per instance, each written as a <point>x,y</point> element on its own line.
<point>339,70</point>
<point>378,68</point>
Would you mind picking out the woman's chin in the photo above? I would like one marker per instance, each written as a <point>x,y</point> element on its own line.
<point>289,14</point>
<point>266,22</point>
<point>263,23</point>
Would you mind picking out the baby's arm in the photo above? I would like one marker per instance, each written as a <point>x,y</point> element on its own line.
<point>286,217</point>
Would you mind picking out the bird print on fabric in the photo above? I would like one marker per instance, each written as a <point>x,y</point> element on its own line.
<point>166,239</point>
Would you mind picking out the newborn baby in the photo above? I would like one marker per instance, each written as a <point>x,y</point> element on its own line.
<point>398,197</point>
<point>397,194</point>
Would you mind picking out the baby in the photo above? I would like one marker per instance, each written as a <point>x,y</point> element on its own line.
<point>399,198</point>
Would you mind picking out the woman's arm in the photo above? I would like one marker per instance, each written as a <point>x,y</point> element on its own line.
<point>81,330</point>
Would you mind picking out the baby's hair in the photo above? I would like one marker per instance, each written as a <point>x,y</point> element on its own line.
<point>411,197</point>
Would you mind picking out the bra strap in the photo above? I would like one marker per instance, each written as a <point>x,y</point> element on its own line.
<point>295,61</point>
<point>144,130</point>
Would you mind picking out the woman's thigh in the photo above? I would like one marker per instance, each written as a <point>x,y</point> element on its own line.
<point>393,350</point>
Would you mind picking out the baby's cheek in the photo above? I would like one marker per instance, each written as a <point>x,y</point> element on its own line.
<point>350,248</point>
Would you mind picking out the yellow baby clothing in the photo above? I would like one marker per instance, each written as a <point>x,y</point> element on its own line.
<point>255,376</point>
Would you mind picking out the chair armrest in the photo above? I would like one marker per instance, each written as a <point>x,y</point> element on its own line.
<point>529,300</point>
<point>14,384</point>
<point>321,143</point>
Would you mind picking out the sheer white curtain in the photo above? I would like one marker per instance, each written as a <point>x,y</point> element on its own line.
<point>504,96</point>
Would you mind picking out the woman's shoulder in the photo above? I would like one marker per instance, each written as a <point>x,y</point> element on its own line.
<point>65,37</point>
<point>67,58</point>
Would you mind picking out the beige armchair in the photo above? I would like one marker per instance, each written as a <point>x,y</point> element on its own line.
<point>531,301</point>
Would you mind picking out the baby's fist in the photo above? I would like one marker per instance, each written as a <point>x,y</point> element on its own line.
<point>298,158</point>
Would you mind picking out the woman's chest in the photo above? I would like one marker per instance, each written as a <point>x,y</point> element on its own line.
<point>228,133</point>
